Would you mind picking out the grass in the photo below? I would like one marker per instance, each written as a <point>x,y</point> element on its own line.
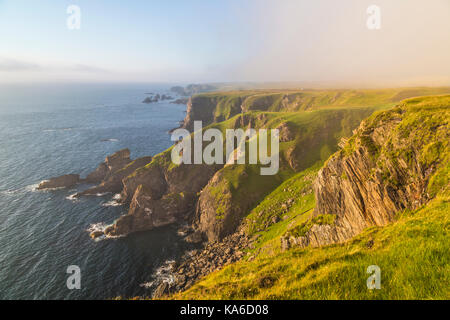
<point>224,105</point>
<point>413,254</point>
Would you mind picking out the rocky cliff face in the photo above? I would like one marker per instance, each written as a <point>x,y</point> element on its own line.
<point>160,194</point>
<point>210,108</point>
<point>385,167</point>
<point>236,189</point>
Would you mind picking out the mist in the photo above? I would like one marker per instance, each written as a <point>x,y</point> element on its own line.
<point>319,43</point>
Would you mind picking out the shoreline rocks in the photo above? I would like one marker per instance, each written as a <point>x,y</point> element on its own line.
<point>198,263</point>
<point>65,181</point>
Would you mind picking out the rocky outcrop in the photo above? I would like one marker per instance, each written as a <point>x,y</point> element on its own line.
<point>286,131</point>
<point>150,100</point>
<point>200,262</point>
<point>111,181</point>
<point>98,174</point>
<point>147,213</point>
<point>160,195</point>
<point>65,181</point>
<point>210,108</point>
<point>112,164</point>
<point>384,168</point>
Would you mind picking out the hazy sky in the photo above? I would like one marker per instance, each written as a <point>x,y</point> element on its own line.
<point>323,41</point>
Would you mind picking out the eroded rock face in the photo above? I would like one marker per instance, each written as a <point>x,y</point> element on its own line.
<point>220,209</point>
<point>65,181</point>
<point>151,178</point>
<point>112,164</point>
<point>216,216</point>
<point>159,195</point>
<point>112,181</point>
<point>118,160</point>
<point>385,167</point>
<point>147,213</point>
<point>287,133</point>
<point>98,175</point>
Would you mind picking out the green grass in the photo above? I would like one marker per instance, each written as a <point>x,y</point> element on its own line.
<point>413,254</point>
<point>224,105</point>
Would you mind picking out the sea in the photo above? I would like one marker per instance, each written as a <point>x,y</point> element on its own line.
<point>55,129</point>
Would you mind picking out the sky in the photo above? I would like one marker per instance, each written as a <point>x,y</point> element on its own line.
<point>180,41</point>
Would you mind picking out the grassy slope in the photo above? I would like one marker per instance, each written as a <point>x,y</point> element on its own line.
<point>300,100</point>
<point>413,253</point>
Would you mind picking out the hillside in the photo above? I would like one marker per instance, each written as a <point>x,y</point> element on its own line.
<point>219,106</point>
<point>381,199</point>
<point>362,180</point>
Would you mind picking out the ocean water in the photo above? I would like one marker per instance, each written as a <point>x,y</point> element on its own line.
<point>50,130</point>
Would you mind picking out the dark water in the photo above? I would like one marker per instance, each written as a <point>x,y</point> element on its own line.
<point>48,131</point>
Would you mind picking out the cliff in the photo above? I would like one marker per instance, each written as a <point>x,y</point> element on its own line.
<point>391,164</point>
<point>382,199</point>
<point>215,107</point>
<point>215,199</point>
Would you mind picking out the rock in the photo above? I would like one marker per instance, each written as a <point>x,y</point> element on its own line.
<point>150,100</point>
<point>65,181</point>
<point>286,131</point>
<point>367,185</point>
<point>266,282</point>
<point>285,244</point>
<point>196,237</point>
<point>161,290</point>
<point>117,168</point>
<point>108,230</point>
<point>166,97</point>
<point>369,244</point>
<point>98,175</point>
<point>118,160</point>
<point>147,213</point>
<point>96,234</point>
<point>275,219</point>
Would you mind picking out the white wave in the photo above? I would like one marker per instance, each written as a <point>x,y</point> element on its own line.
<point>102,194</point>
<point>9,192</point>
<point>99,226</point>
<point>30,188</point>
<point>163,274</point>
<point>57,129</point>
<point>33,187</point>
<point>112,203</point>
<point>147,285</point>
<point>72,197</point>
<point>110,140</point>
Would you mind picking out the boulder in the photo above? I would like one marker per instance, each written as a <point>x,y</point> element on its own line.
<point>161,290</point>
<point>196,237</point>
<point>96,234</point>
